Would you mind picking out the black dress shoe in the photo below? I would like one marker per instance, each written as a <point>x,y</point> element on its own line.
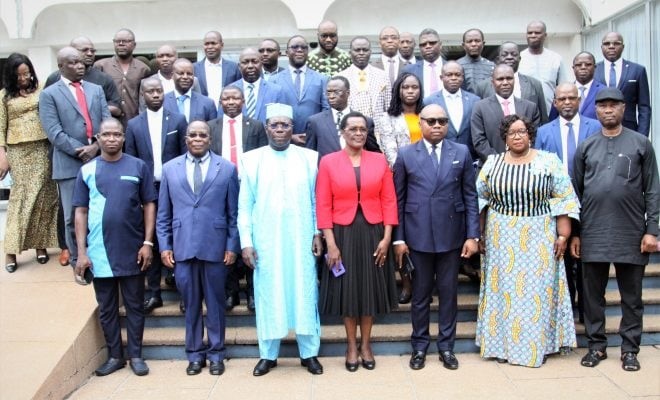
<point>251,306</point>
<point>195,367</point>
<point>629,362</point>
<point>151,303</point>
<point>369,364</point>
<point>169,279</point>
<point>110,366</point>
<point>448,359</point>
<point>139,367</point>
<point>182,307</point>
<point>217,368</point>
<point>11,267</point>
<point>263,367</point>
<point>593,357</point>
<point>42,258</point>
<point>404,297</point>
<point>232,301</point>
<point>417,359</point>
<point>313,365</point>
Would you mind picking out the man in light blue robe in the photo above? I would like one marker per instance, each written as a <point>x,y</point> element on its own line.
<point>277,226</point>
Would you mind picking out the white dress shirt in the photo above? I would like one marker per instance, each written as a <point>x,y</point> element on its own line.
<point>168,84</point>
<point>190,168</point>
<point>586,87</point>
<point>454,104</point>
<point>213,79</point>
<point>517,91</point>
<point>563,129</point>
<point>155,123</point>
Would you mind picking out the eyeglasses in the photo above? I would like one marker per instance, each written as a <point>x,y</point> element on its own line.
<point>281,125</point>
<point>615,43</point>
<point>434,121</point>
<point>267,50</point>
<point>520,133</point>
<point>297,47</point>
<point>195,135</point>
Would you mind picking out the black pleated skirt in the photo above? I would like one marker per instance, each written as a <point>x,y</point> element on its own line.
<point>365,289</point>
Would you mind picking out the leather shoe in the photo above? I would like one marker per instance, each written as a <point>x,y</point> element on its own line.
<point>195,367</point>
<point>110,366</point>
<point>593,357</point>
<point>217,368</point>
<point>169,279</point>
<point>404,297</point>
<point>232,301</point>
<point>64,257</point>
<point>251,306</point>
<point>417,359</point>
<point>151,303</point>
<point>11,267</point>
<point>448,359</point>
<point>629,362</point>
<point>42,256</point>
<point>182,307</point>
<point>139,367</point>
<point>313,365</point>
<point>263,367</point>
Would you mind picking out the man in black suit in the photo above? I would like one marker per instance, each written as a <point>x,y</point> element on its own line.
<point>630,78</point>
<point>323,128</point>
<point>233,134</point>
<point>525,86</point>
<point>487,114</point>
<point>155,136</point>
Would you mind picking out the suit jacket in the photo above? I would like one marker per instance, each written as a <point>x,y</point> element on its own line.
<point>378,63</point>
<point>269,92</point>
<point>548,137</point>
<point>230,73</point>
<point>634,85</point>
<point>184,218</point>
<point>418,69</point>
<point>143,105</point>
<point>65,126</point>
<point>530,89</point>
<point>173,138</point>
<point>487,115</point>
<point>464,135</point>
<point>254,134</point>
<point>322,134</point>
<point>437,211</point>
<point>337,197</point>
<point>201,107</point>
<point>312,101</point>
<point>588,106</point>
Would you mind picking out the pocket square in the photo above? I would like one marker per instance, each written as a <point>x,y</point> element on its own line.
<point>171,132</point>
<point>455,162</point>
<point>632,80</point>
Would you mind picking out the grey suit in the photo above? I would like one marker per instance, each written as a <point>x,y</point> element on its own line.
<point>65,127</point>
<point>485,123</point>
<point>530,89</point>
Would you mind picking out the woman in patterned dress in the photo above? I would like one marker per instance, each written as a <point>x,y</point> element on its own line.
<point>526,200</point>
<point>32,208</point>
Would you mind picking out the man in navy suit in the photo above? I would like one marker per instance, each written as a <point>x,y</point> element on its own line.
<point>257,92</point>
<point>213,71</point>
<point>487,114</point>
<point>628,77</point>
<point>248,134</point>
<point>198,206</point>
<point>183,99</point>
<point>71,130</point>
<point>155,136</point>
<point>584,67</point>
<point>562,136</point>
<point>457,102</point>
<point>438,224</point>
<point>323,128</point>
<point>304,88</point>
<point>428,68</point>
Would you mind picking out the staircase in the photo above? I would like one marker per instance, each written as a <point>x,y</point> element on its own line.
<point>164,327</point>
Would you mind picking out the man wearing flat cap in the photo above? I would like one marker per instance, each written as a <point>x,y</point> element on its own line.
<point>277,226</point>
<point>616,177</point>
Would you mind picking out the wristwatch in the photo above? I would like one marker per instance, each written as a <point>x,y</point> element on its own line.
<point>476,239</point>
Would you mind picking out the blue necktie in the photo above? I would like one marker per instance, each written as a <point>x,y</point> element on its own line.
<point>251,104</point>
<point>570,147</point>
<point>197,176</point>
<point>180,101</point>
<point>612,76</point>
<point>434,157</point>
<point>298,83</point>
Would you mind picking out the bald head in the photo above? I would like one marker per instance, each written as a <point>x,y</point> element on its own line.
<point>249,63</point>
<point>434,123</point>
<point>86,48</point>
<point>567,100</point>
<point>328,36</point>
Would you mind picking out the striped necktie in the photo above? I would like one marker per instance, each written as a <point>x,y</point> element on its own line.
<point>250,106</point>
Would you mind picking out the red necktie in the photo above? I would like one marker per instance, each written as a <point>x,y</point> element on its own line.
<point>232,143</point>
<point>82,103</point>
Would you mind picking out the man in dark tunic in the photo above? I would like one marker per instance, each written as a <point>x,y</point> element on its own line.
<point>115,219</point>
<point>616,177</point>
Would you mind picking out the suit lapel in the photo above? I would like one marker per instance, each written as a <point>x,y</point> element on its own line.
<point>245,134</point>
<point>69,96</point>
<point>525,87</point>
<point>424,162</point>
<point>467,113</point>
<point>201,76</point>
<point>211,174</point>
<point>447,156</point>
<point>260,97</point>
<point>556,137</point>
<point>332,127</point>
<point>182,178</point>
<point>625,71</point>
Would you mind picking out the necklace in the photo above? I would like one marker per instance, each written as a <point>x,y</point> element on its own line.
<point>519,159</point>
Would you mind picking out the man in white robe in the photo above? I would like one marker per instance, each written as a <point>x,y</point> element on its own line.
<point>276,222</point>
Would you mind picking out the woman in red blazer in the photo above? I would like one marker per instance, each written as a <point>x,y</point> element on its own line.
<point>356,209</point>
